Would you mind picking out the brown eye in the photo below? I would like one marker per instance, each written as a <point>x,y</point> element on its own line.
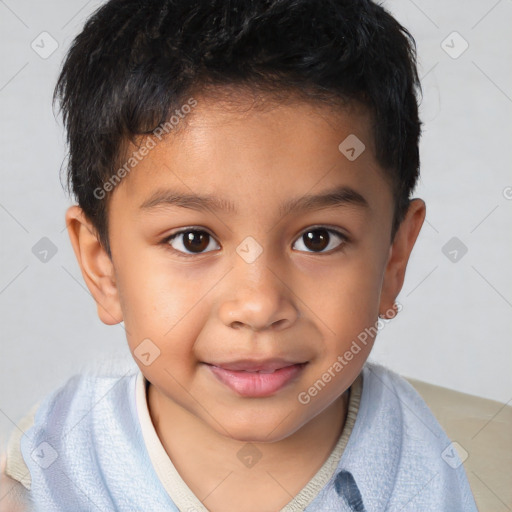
<point>192,241</point>
<point>316,240</point>
<point>195,241</point>
<point>319,239</point>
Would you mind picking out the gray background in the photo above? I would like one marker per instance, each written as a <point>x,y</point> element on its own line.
<point>454,329</point>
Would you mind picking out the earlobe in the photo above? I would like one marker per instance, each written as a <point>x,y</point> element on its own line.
<point>95,264</point>
<point>400,251</point>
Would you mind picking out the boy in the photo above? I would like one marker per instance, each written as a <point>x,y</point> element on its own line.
<point>243,173</point>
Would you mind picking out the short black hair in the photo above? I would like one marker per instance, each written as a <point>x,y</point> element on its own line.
<point>136,61</point>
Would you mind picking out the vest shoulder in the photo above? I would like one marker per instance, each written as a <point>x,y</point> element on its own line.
<point>77,396</point>
<point>389,383</point>
<point>390,395</point>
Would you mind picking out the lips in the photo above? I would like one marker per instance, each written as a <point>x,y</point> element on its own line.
<point>264,366</point>
<point>256,379</point>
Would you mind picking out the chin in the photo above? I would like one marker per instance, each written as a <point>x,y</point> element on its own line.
<point>260,429</point>
<point>256,437</point>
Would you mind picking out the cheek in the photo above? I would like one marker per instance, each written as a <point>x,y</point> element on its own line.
<point>346,302</point>
<point>349,294</point>
<point>157,302</point>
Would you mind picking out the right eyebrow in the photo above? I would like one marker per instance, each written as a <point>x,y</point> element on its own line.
<point>168,197</point>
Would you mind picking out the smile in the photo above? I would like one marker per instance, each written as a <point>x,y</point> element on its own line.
<point>257,383</point>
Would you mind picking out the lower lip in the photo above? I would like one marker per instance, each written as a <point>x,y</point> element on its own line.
<point>257,385</point>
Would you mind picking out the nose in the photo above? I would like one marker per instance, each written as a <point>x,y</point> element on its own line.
<point>259,298</point>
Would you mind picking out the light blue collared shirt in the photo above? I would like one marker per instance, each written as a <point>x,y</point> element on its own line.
<point>86,452</point>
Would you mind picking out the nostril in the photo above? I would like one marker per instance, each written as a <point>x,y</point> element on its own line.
<point>278,323</point>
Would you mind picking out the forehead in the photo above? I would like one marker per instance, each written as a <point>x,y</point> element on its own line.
<point>236,149</point>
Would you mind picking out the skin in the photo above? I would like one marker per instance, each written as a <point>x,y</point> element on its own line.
<point>291,302</point>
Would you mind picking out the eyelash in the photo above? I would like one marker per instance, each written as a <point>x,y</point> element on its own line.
<point>344,240</point>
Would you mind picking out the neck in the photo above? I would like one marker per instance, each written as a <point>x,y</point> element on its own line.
<point>203,457</point>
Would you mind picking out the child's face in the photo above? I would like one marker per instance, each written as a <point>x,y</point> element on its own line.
<point>249,286</point>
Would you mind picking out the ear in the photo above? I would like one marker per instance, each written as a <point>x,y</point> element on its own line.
<point>95,264</point>
<point>399,253</point>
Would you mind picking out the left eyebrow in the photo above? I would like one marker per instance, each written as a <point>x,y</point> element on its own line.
<point>336,197</point>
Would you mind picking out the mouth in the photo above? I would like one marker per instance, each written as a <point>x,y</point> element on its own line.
<point>256,379</point>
